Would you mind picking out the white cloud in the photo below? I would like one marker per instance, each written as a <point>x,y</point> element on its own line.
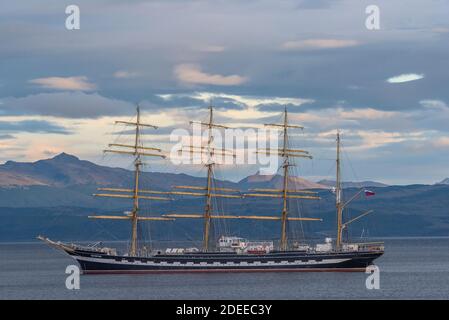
<point>434,104</point>
<point>442,142</point>
<point>249,104</point>
<point>367,113</point>
<point>318,44</point>
<point>192,74</point>
<point>339,117</point>
<point>246,114</point>
<point>406,77</point>
<point>212,49</point>
<point>377,138</point>
<point>250,101</point>
<point>440,30</point>
<point>79,83</point>
<point>123,74</point>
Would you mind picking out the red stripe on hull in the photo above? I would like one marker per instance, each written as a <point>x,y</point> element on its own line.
<point>99,272</point>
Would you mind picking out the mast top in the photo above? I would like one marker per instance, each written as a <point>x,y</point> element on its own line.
<point>285,152</point>
<point>136,150</point>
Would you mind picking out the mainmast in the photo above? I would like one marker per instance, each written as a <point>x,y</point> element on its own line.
<point>137,151</point>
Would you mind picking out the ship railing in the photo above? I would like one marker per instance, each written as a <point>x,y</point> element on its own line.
<point>94,247</point>
<point>370,246</point>
<point>95,244</point>
<point>260,243</point>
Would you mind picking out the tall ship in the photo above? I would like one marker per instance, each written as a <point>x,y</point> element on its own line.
<point>227,253</point>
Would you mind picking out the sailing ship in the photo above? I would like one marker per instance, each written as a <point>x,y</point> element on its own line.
<point>230,253</point>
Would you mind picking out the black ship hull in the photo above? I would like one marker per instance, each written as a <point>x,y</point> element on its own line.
<point>289,261</point>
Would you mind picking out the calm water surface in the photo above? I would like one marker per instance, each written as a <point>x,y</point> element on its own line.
<point>411,268</point>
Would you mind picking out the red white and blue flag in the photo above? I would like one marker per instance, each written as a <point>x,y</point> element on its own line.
<point>369,193</point>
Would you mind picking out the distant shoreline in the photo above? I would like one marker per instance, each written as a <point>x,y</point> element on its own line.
<point>178,241</point>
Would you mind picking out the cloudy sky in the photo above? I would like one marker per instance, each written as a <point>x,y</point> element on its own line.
<point>386,90</point>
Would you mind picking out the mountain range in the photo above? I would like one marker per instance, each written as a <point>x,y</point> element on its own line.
<point>55,195</point>
<point>66,170</point>
<point>351,184</point>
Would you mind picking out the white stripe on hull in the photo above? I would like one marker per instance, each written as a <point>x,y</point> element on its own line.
<point>223,270</point>
<point>203,265</point>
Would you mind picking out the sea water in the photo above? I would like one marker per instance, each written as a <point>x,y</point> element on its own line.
<point>411,268</point>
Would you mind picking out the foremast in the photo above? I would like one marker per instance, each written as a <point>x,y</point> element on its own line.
<point>137,150</point>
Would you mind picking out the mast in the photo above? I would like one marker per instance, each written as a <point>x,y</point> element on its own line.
<point>209,164</point>
<point>209,191</point>
<point>338,204</point>
<point>137,163</point>
<point>134,193</point>
<point>285,153</point>
<point>283,244</point>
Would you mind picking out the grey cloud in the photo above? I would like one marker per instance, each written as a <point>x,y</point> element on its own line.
<point>186,101</point>
<point>144,131</point>
<point>277,107</point>
<point>315,4</point>
<point>6,137</point>
<point>33,126</point>
<point>151,37</point>
<point>253,40</point>
<point>66,105</point>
